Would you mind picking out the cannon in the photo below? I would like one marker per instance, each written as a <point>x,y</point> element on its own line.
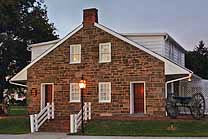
<point>196,105</point>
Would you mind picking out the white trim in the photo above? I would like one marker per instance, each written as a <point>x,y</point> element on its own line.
<point>42,100</point>
<point>182,70</point>
<point>132,96</point>
<point>175,80</point>
<point>100,45</point>
<point>70,98</point>
<point>42,43</point>
<point>145,34</point>
<point>172,81</point>
<point>18,84</point>
<point>49,50</point>
<point>104,101</point>
<point>80,52</point>
<point>21,75</point>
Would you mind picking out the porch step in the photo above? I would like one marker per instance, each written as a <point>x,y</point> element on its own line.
<point>55,125</point>
<point>138,115</point>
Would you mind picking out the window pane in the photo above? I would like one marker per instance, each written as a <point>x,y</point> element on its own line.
<point>75,49</point>
<point>105,52</point>
<point>75,58</point>
<point>72,49</point>
<point>105,57</point>
<point>75,53</point>
<point>105,49</point>
<point>104,91</point>
<point>75,92</point>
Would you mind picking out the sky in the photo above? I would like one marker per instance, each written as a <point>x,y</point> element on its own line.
<point>185,20</point>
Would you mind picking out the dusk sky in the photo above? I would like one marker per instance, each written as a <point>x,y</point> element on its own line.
<point>185,20</point>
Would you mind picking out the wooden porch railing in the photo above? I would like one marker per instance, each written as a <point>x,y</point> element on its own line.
<point>76,119</point>
<point>37,120</point>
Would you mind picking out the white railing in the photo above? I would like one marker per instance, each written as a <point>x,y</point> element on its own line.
<point>37,120</point>
<point>76,119</point>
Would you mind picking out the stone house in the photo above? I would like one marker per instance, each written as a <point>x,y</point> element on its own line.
<point>125,74</point>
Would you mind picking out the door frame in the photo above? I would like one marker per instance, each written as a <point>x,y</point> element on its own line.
<point>42,99</point>
<point>132,96</point>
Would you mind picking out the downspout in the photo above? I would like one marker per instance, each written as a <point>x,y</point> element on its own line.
<point>175,80</point>
<point>18,84</point>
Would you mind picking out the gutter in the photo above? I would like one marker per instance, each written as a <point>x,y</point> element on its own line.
<point>43,43</point>
<point>175,80</point>
<point>18,84</point>
<point>166,37</point>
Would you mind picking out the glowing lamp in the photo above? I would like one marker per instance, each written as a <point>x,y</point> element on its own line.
<point>82,83</point>
<point>189,79</point>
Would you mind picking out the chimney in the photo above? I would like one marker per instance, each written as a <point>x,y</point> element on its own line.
<point>90,16</point>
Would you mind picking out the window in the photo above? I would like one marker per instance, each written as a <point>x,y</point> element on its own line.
<point>104,92</point>
<point>104,52</point>
<point>75,53</point>
<point>179,57</point>
<point>74,92</point>
<point>170,51</point>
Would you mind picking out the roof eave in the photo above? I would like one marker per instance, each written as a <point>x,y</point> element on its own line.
<point>140,46</point>
<point>47,51</point>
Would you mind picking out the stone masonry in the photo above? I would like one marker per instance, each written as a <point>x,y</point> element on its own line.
<point>128,64</point>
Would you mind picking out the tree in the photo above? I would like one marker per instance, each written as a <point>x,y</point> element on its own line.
<point>197,60</point>
<point>22,22</point>
<point>201,49</point>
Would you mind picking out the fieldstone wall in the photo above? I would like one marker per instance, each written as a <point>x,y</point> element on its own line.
<point>128,64</point>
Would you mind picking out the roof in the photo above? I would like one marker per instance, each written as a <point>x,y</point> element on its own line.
<point>145,34</point>
<point>168,63</point>
<point>53,42</point>
<point>170,66</point>
<point>24,70</point>
<point>164,34</point>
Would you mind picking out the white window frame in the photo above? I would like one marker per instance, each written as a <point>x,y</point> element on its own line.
<point>100,45</point>
<point>71,54</point>
<point>70,92</point>
<point>99,88</point>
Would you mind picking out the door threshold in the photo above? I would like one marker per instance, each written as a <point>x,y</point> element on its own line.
<point>138,115</point>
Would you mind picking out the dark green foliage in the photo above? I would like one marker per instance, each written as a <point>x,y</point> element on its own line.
<point>22,22</point>
<point>197,60</point>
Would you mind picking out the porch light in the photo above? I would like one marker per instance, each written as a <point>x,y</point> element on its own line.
<point>82,83</point>
<point>82,86</point>
<point>189,79</point>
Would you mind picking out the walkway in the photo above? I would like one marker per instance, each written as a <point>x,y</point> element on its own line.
<point>45,135</point>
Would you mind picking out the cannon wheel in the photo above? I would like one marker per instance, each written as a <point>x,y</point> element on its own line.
<point>197,106</point>
<point>172,109</point>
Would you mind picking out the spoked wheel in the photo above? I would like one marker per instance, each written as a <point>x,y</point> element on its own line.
<point>197,106</point>
<point>171,109</point>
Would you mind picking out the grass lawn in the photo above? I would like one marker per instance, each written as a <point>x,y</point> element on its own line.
<point>146,128</point>
<point>17,110</point>
<point>14,126</point>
